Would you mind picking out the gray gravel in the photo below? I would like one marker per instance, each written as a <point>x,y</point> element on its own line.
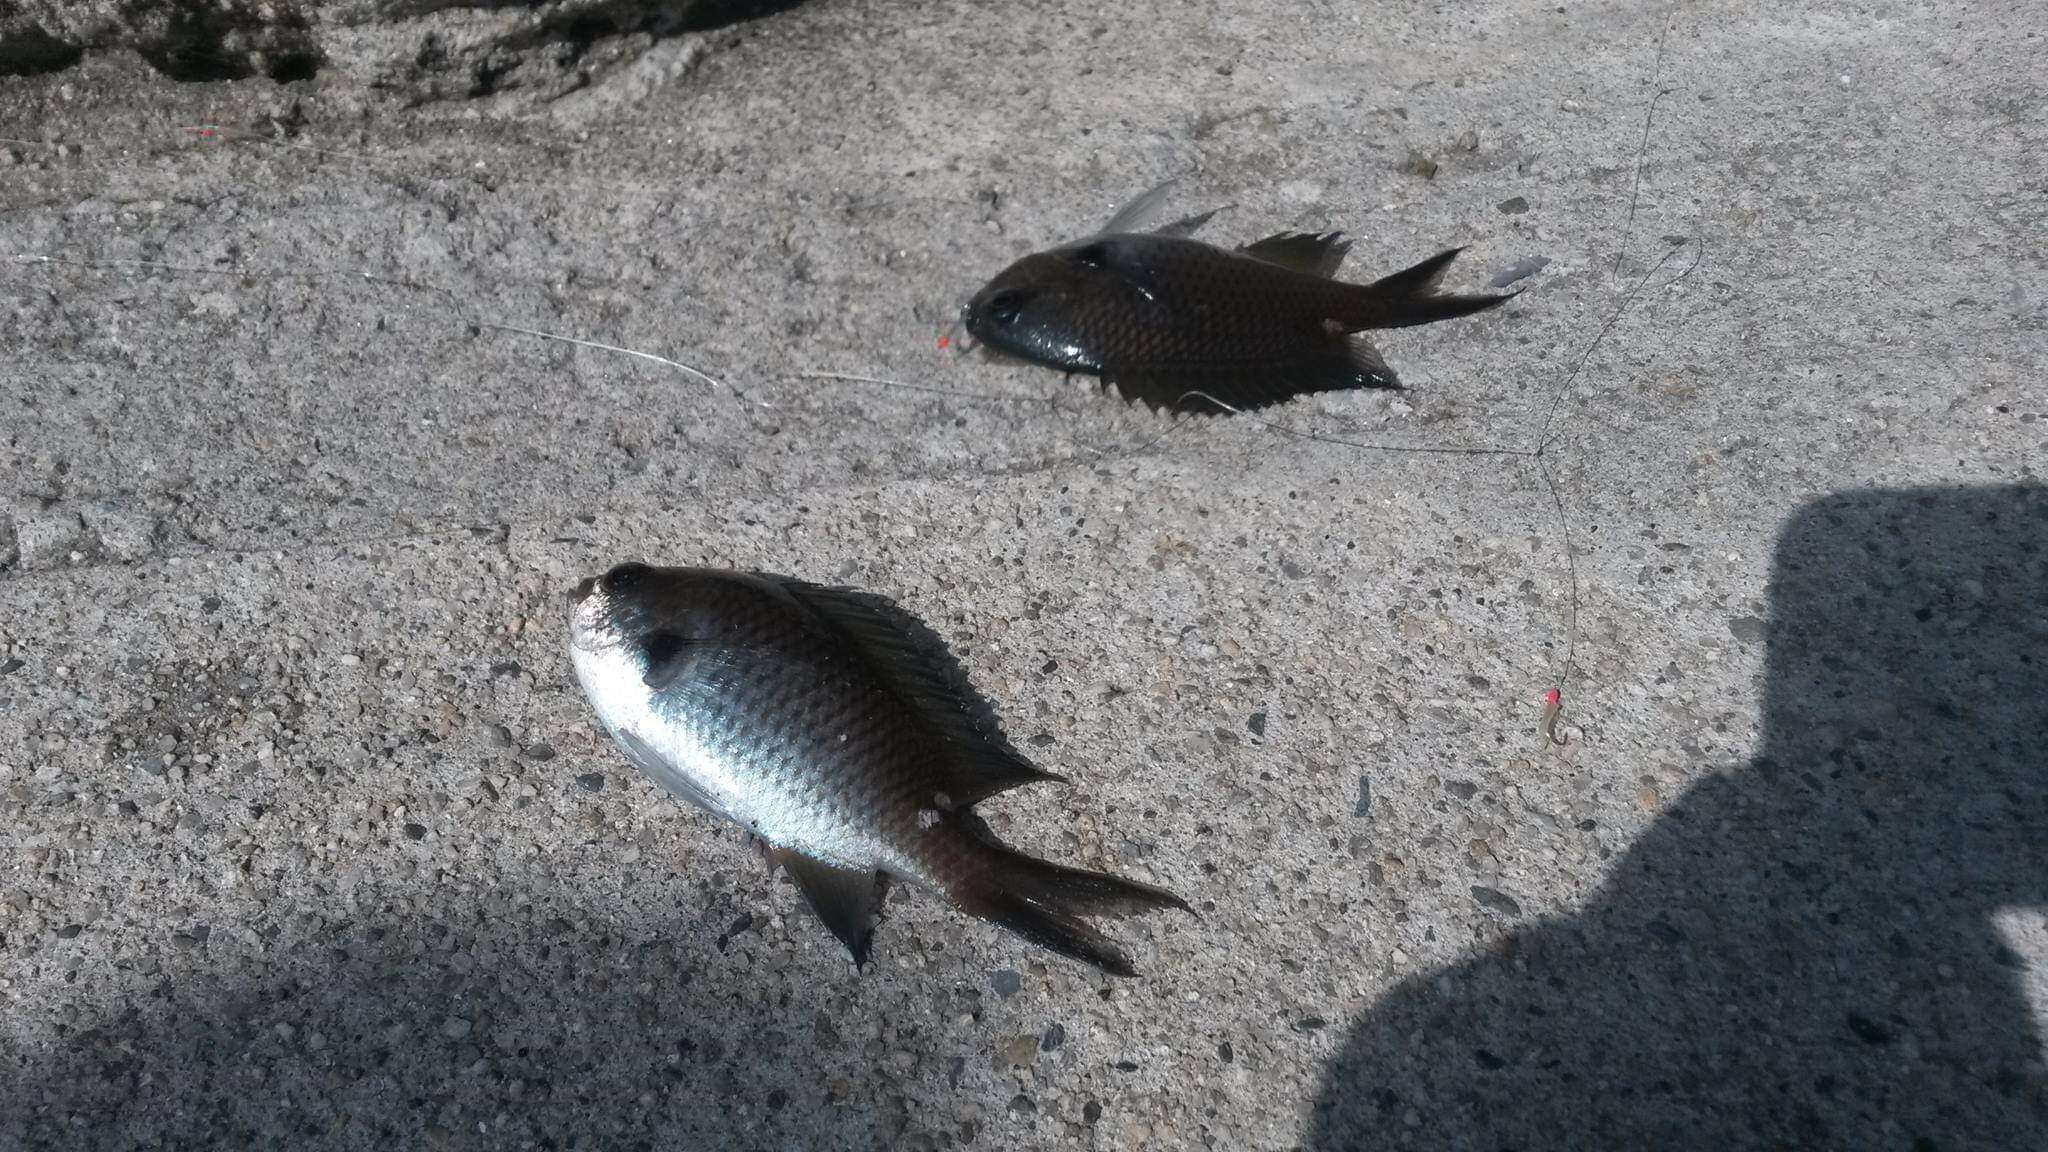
<point>300,846</point>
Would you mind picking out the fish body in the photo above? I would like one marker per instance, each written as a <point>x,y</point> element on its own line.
<point>830,725</point>
<point>1159,315</point>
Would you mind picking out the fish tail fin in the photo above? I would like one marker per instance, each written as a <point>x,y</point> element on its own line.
<point>1410,297</point>
<point>1045,903</point>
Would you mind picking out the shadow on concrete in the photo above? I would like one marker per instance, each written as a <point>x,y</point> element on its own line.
<point>205,41</point>
<point>446,1030</point>
<point>26,49</point>
<point>588,21</point>
<point>1800,953</point>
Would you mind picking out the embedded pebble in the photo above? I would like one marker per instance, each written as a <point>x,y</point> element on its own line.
<point>1520,270</point>
<point>1018,1051</point>
<point>47,539</point>
<point>1496,900</point>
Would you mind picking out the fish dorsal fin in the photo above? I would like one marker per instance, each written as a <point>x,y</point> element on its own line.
<point>1318,254</point>
<point>846,899</point>
<point>913,662</point>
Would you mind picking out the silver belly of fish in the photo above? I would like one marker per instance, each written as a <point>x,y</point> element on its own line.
<point>756,788</point>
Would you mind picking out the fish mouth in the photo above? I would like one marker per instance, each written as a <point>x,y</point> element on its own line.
<point>586,607</point>
<point>985,336</point>
<point>970,321</point>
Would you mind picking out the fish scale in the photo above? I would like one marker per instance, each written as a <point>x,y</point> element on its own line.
<point>832,726</point>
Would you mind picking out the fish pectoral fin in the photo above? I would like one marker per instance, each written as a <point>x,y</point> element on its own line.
<point>1318,254</point>
<point>974,761</point>
<point>1186,225</point>
<point>1139,214</point>
<point>848,900</point>
<point>671,654</point>
<point>1142,215</point>
<point>663,773</point>
<point>1334,365</point>
<point>668,653</point>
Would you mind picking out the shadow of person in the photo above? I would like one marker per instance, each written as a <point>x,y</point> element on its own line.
<point>1802,953</point>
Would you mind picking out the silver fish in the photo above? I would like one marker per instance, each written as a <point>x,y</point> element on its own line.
<point>831,725</point>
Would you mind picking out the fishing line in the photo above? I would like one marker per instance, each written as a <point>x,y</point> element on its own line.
<point>125,265</point>
<point>120,265</point>
<point>1537,453</point>
<point>216,131</point>
<point>694,374</point>
<point>1650,114</point>
<point>1319,438</point>
<point>1553,697</point>
<point>884,382</point>
<point>1545,439</point>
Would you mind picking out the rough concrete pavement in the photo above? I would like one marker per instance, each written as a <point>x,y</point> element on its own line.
<point>312,842</point>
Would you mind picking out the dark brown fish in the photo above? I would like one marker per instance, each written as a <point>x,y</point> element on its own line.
<point>1159,315</point>
<point>833,726</point>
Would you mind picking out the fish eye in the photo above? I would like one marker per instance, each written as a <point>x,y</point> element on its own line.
<point>1004,306</point>
<point>625,577</point>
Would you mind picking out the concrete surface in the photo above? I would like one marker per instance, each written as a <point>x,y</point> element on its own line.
<point>313,844</point>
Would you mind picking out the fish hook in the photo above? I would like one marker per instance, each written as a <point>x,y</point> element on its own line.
<point>953,339</point>
<point>1553,708</point>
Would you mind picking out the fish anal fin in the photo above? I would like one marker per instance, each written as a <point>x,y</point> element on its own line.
<point>1318,254</point>
<point>1368,365</point>
<point>1339,364</point>
<point>912,661</point>
<point>848,900</point>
